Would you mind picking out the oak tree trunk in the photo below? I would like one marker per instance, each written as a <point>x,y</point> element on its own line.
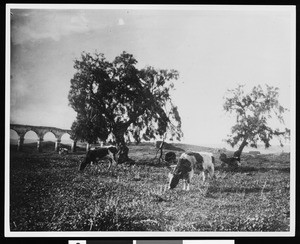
<point>238,153</point>
<point>121,145</point>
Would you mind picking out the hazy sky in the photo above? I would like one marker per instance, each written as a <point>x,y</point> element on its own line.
<point>214,49</point>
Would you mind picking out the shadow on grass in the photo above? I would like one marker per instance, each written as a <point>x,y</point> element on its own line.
<point>284,170</point>
<point>249,169</point>
<point>150,162</point>
<point>246,190</point>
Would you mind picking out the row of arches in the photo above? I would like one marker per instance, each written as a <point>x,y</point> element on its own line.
<point>20,133</point>
<point>31,137</point>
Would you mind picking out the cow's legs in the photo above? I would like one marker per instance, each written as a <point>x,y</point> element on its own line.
<point>203,176</point>
<point>109,164</point>
<point>84,163</point>
<point>188,186</point>
<point>211,173</point>
<point>111,160</point>
<point>112,165</point>
<point>184,184</point>
<point>188,180</point>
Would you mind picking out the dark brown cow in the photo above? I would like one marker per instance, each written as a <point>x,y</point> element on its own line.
<point>232,162</point>
<point>104,153</point>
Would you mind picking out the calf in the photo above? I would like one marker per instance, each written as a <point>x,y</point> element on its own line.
<point>190,163</point>
<point>232,162</point>
<point>103,153</point>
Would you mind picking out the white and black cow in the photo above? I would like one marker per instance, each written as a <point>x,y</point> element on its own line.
<point>109,153</point>
<point>191,163</point>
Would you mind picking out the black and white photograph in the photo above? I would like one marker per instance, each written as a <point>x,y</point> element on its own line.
<point>150,120</point>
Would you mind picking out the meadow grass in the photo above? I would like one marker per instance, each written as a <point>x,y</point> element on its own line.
<point>47,193</point>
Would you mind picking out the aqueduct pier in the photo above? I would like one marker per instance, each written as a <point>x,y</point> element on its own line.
<point>21,130</point>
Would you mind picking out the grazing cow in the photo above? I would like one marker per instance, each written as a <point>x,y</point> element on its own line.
<point>237,155</point>
<point>190,163</point>
<point>232,162</point>
<point>103,153</point>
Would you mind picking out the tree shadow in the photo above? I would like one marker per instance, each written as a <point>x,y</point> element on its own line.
<point>241,169</point>
<point>246,190</point>
<point>284,170</point>
<point>250,169</point>
<point>151,162</point>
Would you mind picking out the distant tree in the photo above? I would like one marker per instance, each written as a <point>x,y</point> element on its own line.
<point>119,99</point>
<point>253,113</point>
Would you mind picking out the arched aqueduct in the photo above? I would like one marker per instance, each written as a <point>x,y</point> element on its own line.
<point>21,130</point>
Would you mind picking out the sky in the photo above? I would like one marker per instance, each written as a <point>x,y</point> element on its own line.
<point>214,48</point>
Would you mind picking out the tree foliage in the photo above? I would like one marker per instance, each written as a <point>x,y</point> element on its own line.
<point>116,98</point>
<point>254,112</point>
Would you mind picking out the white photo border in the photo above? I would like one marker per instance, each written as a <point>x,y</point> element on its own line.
<point>132,234</point>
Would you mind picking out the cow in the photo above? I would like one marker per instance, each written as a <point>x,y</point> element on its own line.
<point>237,155</point>
<point>109,153</point>
<point>190,163</point>
<point>232,162</point>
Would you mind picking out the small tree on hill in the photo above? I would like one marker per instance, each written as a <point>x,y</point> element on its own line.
<point>253,113</point>
<point>119,99</point>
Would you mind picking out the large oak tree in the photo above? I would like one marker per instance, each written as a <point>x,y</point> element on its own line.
<point>254,112</point>
<point>116,98</point>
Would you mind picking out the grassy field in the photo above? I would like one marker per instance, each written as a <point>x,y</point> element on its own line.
<point>47,193</point>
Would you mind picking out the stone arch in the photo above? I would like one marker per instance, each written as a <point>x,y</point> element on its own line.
<point>47,133</point>
<point>13,134</point>
<point>40,131</point>
<point>66,139</point>
<point>29,135</point>
<point>73,142</point>
<point>28,132</point>
<point>55,132</point>
<point>14,137</point>
<point>66,134</point>
<point>52,137</point>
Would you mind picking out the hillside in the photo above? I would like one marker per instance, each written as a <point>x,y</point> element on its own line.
<point>275,149</point>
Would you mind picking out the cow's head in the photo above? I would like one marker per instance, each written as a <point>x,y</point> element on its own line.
<point>180,171</point>
<point>117,154</point>
<point>112,154</point>
<point>82,165</point>
<point>223,156</point>
<point>173,180</point>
